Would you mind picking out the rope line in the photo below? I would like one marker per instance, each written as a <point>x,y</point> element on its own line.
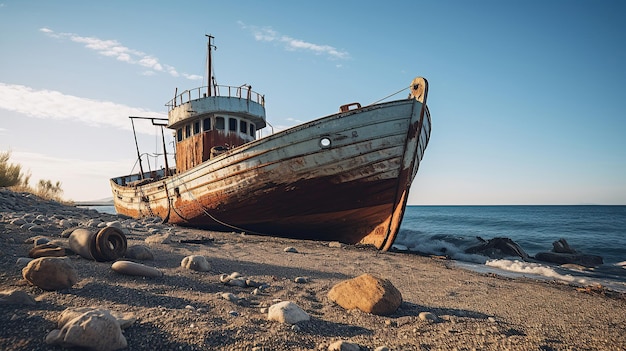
<point>388,96</point>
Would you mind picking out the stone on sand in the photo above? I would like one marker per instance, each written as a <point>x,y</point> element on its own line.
<point>139,252</point>
<point>95,329</point>
<point>196,263</point>
<point>367,293</point>
<point>344,346</point>
<point>50,273</point>
<point>16,297</point>
<point>287,312</point>
<point>136,269</point>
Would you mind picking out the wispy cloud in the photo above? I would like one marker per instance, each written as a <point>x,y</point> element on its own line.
<point>50,104</point>
<point>269,35</point>
<point>114,49</point>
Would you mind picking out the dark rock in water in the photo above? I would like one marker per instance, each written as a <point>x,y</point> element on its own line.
<point>497,248</point>
<point>562,253</point>
<point>569,258</point>
<point>561,246</point>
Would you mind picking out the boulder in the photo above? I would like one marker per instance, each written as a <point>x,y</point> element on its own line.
<point>367,293</point>
<point>50,273</point>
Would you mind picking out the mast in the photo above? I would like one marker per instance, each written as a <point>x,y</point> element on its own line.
<point>137,146</point>
<point>211,79</point>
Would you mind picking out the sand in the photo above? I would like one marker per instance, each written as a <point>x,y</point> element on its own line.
<point>184,310</point>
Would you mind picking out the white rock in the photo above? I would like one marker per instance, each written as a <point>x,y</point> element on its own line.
<point>344,346</point>
<point>287,312</point>
<point>427,316</point>
<point>196,262</point>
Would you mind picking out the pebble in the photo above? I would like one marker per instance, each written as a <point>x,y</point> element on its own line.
<point>290,249</point>
<point>229,296</point>
<point>335,244</point>
<point>427,316</point>
<point>301,280</point>
<point>158,239</point>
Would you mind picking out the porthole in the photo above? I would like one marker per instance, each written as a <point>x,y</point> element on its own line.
<point>325,143</point>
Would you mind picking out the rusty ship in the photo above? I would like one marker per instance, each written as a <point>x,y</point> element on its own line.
<point>343,177</point>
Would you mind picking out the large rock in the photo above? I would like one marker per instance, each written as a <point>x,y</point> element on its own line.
<point>367,293</point>
<point>95,329</point>
<point>50,273</point>
<point>566,258</point>
<point>562,253</point>
<point>287,312</point>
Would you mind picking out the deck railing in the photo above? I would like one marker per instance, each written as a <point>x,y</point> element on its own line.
<point>241,92</point>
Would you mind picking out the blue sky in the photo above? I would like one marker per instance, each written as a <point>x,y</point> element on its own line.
<point>526,97</point>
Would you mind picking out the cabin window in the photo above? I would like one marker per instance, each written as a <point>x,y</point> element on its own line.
<point>196,127</point>
<point>179,134</point>
<point>219,123</point>
<point>252,130</point>
<point>232,124</point>
<point>206,124</point>
<point>243,127</point>
<point>188,131</point>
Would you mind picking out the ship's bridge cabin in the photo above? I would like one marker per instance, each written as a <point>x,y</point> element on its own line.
<point>207,123</point>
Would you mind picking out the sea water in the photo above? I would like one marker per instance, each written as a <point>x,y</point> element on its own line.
<point>594,230</point>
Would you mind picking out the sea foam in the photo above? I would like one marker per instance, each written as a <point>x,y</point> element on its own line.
<point>535,269</point>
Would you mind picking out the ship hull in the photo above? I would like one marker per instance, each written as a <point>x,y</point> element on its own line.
<point>344,177</point>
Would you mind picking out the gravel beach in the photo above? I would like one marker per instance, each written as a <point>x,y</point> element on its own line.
<point>186,309</point>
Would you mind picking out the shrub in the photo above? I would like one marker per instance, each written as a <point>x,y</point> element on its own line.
<point>10,174</point>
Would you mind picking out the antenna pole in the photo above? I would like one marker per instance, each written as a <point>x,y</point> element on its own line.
<point>210,65</point>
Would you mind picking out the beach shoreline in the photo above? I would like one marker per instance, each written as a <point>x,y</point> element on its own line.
<point>185,310</point>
